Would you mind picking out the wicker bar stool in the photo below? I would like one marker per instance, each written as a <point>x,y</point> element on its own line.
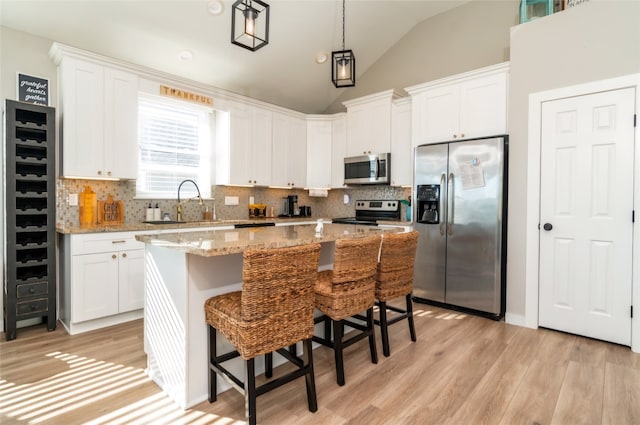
<point>394,279</point>
<point>274,310</point>
<point>345,291</point>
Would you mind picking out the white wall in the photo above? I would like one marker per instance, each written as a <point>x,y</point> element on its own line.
<point>468,37</point>
<point>593,41</point>
<point>26,54</point>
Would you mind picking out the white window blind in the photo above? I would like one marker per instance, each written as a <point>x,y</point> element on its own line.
<point>175,145</point>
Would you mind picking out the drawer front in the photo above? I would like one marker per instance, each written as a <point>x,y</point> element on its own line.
<point>104,242</point>
<point>30,307</point>
<point>31,289</point>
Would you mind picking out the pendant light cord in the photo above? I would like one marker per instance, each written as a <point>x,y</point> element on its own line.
<point>343,24</point>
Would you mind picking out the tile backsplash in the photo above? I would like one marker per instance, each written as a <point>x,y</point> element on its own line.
<point>135,209</point>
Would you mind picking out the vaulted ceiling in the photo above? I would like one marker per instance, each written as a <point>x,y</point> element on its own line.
<point>285,73</point>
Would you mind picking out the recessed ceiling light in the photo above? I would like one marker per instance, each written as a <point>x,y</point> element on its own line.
<point>321,57</point>
<point>216,7</point>
<point>186,55</point>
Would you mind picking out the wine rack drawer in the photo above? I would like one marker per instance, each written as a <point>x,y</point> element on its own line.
<point>32,289</point>
<point>31,307</point>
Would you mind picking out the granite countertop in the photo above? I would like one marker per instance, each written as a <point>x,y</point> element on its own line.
<point>217,242</point>
<point>132,227</point>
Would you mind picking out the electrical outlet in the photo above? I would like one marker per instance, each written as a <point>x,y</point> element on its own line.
<point>73,200</point>
<point>231,200</point>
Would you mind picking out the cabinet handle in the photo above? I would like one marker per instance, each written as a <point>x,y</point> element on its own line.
<point>455,136</point>
<point>99,172</point>
<point>462,135</point>
<point>124,255</point>
<point>114,256</point>
<point>108,173</point>
<point>118,241</point>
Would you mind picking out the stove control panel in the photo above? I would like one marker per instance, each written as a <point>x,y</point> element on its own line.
<point>377,206</point>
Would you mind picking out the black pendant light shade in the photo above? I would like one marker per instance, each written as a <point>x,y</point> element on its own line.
<point>343,63</point>
<point>250,24</point>
<point>343,68</point>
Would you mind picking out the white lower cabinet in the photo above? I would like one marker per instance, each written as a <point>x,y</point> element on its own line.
<point>103,280</point>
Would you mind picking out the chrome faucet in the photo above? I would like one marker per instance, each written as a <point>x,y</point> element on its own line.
<point>179,207</point>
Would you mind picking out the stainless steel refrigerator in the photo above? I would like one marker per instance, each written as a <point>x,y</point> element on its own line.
<point>460,212</point>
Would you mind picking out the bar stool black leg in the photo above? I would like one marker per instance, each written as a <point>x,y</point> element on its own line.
<point>268,365</point>
<point>372,336</point>
<point>327,328</point>
<point>384,330</point>
<point>338,329</point>
<point>412,328</point>
<point>250,392</point>
<point>213,377</point>
<point>307,354</point>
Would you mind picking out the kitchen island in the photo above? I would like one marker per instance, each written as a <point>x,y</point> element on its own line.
<point>184,269</point>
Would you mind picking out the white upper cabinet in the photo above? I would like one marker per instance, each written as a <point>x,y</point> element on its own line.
<point>243,146</point>
<point>401,149</point>
<point>318,152</point>
<point>463,106</point>
<point>338,149</point>
<point>99,112</point>
<point>289,165</point>
<point>369,124</point>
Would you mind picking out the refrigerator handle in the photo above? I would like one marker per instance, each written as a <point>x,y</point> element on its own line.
<point>450,198</point>
<point>443,204</point>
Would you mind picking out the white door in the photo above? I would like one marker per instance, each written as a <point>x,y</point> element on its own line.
<point>586,190</point>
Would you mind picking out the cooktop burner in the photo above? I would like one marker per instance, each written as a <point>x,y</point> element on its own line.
<point>369,212</point>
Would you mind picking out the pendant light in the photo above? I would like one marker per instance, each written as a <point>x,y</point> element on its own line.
<point>343,63</point>
<point>250,24</point>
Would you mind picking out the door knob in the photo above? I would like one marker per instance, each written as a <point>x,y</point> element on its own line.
<point>547,226</point>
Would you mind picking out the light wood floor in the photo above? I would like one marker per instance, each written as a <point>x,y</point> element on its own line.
<point>462,370</point>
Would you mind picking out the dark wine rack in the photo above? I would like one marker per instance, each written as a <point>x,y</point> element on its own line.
<point>29,205</point>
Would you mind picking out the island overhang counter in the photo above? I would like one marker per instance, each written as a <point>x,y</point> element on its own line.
<point>184,269</point>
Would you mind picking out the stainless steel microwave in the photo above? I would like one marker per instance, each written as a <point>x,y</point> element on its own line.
<point>368,169</point>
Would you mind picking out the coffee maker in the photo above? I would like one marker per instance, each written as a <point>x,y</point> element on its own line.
<point>290,207</point>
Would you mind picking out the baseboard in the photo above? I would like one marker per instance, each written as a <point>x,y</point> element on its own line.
<point>515,319</point>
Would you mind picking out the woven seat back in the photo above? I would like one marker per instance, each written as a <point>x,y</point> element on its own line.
<point>355,262</point>
<point>394,276</point>
<point>278,283</point>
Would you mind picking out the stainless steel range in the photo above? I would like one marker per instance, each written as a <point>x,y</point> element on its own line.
<point>369,212</point>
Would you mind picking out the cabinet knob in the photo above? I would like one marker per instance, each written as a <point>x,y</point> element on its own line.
<point>124,255</point>
<point>114,256</point>
<point>32,291</point>
<point>99,172</point>
<point>108,173</point>
<point>455,136</point>
<point>462,135</point>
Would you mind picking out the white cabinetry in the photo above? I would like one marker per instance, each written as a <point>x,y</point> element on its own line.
<point>103,280</point>
<point>338,149</point>
<point>401,149</point>
<point>463,106</point>
<point>318,152</point>
<point>99,112</point>
<point>289,165</point>
<point>243,155</point>
<point>369,124</point>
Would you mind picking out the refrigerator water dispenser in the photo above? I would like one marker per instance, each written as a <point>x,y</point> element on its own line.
<point>428,197</point>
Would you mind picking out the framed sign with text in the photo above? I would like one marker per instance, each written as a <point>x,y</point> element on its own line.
<point>573,3</point>
<point>33,89</point>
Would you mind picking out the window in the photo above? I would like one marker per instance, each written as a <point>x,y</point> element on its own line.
<point>175,145</point>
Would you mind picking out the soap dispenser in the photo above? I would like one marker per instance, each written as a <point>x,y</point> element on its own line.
<point>149,215</point>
